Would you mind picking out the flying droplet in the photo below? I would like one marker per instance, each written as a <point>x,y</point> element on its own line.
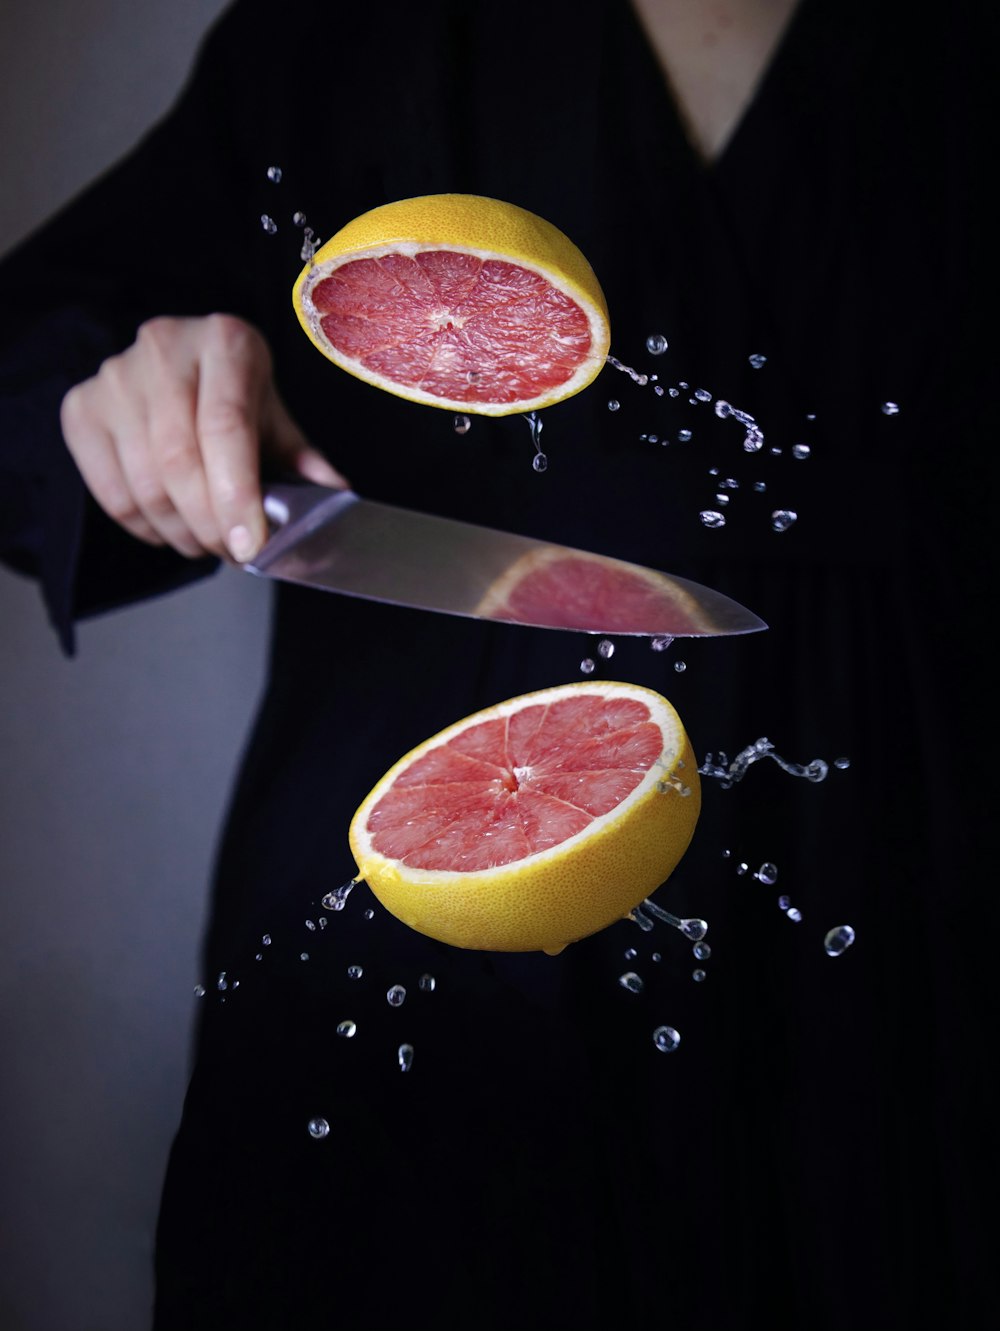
<point>199,991</point>
<point>794,914</point>
<point>838,940</point>
<point>268,223</point>
<point>462,424</point>
<point>784,903</point>
<point>757,360</point>
<point>274,174</point>
<point>355,972</point>
<point>680,667</point>
<point>319,1128</point>
<point>842,764</point>
<point>427,983</point>
<point>369,914</point>
<point>606,648</point>
<point>395,995</point>
<point>890,408</point>
<point>298,219</point>
<point>660,644</point>
<point>698,975</point>
<point>613,404</point>
<point>347,1029</point>
<point>723,409</point>
<point>266,940</point>
<point>656,344</point>
<point>587,666</point>
<point>702,951</point>
<point>702,395</point>
<point>666,1039</point>
<point>683,436</point>
<point>767,873</point>
<point>631,982</point>
<point>630,954</point>
<point>782,519</point>
<point>311,925</point>
<point>540,462</point>
<point>800,450</point>
<point>303,956</point>
<point>711,518</point>
<point>405,1057</point>
<point>694,929</point>
<point>222,983</point>
<point>760,486</point>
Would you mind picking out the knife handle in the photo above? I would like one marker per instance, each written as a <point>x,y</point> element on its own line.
<point>296,509</point>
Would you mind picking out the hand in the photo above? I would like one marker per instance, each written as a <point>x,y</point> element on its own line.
<point>169,436</point>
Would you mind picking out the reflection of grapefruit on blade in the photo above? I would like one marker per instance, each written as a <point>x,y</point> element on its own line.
<point>457,301</point>
<point>533,823</point>
<point>572,589</point>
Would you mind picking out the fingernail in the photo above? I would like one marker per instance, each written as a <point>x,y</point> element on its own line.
<point>242,544</point>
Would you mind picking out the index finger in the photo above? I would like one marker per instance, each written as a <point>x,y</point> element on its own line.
<point>234,370</point>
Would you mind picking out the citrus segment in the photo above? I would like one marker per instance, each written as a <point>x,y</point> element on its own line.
<point>457,301</point>
<point>533,823</point>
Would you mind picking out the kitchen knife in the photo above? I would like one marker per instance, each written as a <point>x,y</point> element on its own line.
<point>339,542</point>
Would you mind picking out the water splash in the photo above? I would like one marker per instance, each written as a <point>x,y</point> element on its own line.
<point>728,773</point>
<point>337,899</point>
<point>692,928</point>
<point>535,425</point>
<point>641,379</point>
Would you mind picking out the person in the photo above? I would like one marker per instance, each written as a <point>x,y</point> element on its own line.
<point>796,202</point>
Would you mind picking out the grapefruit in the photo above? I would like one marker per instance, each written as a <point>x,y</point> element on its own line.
<point>573,589</point>
<point>533,823</point>
<point>457,301</point>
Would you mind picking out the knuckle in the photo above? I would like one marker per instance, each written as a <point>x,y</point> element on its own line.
<point>120,504</point>
<point>158,333</point>
<point>151,496</point>
<point>236,339</point>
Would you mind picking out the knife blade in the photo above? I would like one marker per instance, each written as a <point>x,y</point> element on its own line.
<point>337,541</point>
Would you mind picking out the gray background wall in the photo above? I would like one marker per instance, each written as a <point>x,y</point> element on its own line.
<point>114,771</point>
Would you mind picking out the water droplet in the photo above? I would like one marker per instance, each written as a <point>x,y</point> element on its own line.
<point>462,424</point>
<point>782,519</point>
<point>266,940</point>
<point>355,972</point>
<point>674,392</point>
<point>660,644</point>
<point>427,983</point>
<point>310,925</point>
<point>694,929</point>
<point>760,486</point>
<point>842,763</point>
<point>723,409</point>
<point>753,440</point>
<point>838,940</point>
<point>683,436</point>
<point>347,1029</point>
<point>784,903</point>
<point>369,914</point>
<point>303,956</point>
<point>222,982</point>
<point>666,1039</point>
<point>800,450</point>
<point>274,173</point>
<point>298,219</point>
<point>268,223</point>
<point>702,395</point>
<point>702,951</point>
<point>540,462</point>
<point>319,1128</point>
<point>712,518</point>
<point>405,1057</point>
<point>652,438</point>
<point>395,995</point>
<point>606,648</point>
<point>775,452</point>
<point>587,666</point>
<point>742,868</point>
<point>322,921</point>
<point>730,483</point>
<point>680,667</point>
<point>630,954</point>
<point>259,956</point>
<point>722,499</point>
<point>767,873</point>
<point>698,975</point>
<point>643,921</point>
<point>656,344</point>
<point>890,408</point>
<point>199,991</point>
<point>757,360</point>
<point>613,404</point>
<point>658,390</point>
<point>631,982</point>
<point>337,899</point>
<point>310,244</point>
<point>726,854</point>
<point>656,957</point>
<point>795,914</point>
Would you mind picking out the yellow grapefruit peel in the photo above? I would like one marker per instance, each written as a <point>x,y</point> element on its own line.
<point>558,895</point>
<point>470,224</point>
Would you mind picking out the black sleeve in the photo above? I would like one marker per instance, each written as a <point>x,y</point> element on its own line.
<point>166,231</point>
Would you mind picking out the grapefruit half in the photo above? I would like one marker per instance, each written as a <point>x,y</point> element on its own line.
<point>533,823</point>
<point>457,301</point>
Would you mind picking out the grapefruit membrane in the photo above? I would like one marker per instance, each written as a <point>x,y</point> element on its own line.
<point>535,822</point>
<point>457,301</point>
